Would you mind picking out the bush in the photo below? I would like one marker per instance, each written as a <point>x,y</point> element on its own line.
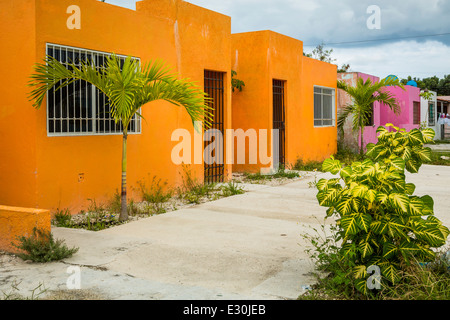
<point>380,221</point>
<point>41,247</point>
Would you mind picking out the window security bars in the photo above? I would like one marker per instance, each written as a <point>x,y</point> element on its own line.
<point>416,112</point>
<point>80,108</point>
<point>431,115</point>
<point>324,106</point>
<point>279,117</point>
<point>214,87</point>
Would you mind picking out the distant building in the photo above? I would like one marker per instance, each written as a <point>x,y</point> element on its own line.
<point>408,118</point>
<point>443,116</point>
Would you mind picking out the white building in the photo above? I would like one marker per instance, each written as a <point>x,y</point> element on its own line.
<point>428,114</point>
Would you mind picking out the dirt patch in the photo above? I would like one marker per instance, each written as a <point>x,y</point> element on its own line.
<point>74,295</point>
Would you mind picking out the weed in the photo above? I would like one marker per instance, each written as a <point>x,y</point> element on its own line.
<point>313,184</point>
<point>62,218</point>
<point>193,191</point>
<point>231,189</point>
<point>13,295</point>
<point>334,274</point>
<point>41,247</point>
<point>157,193</point>
<point>429,282</point>
<point>115,205</point>
<point>439,158</point>
<point>301,165</point>
<point>282,173</point>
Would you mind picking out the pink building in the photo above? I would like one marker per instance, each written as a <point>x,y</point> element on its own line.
<point>408,118</point>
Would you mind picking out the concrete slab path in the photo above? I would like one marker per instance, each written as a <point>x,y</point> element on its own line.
<point>239,248</point>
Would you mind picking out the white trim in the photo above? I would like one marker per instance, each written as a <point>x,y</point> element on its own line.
<point>333,111</point>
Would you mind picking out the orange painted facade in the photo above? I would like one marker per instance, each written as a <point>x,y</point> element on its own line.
<point>263,56</point>
<point>16,222</point>
<point>41,171</point>
<point>38,171</point>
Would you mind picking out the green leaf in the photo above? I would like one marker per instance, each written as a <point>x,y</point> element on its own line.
<point>360,272</point>
<point>428,204</point>
<point>407,153</point>
<point>363,221</point>
<point>416,206</point>
<point>382,197</point>
<point>327,198</point>
<point>398,163</point>
<point>379,227</point>
<point>349,224</point>
<point>429,234</point>
<point>330,211</point>
<point>424,154</point>
<point>408,248</point>
<point>412,166</point>
<point>399,201</point>
<point>346,172</point>
<point>410,188</point>
<point>365,249</point>
<point>428,135</point>
<point>389,250</point>
<point>359,191</point>
<point>331,165</point>
<point>371,195</point>
<point>322,184</point>
<point>391,273</point>
<point>348,250</point>
<point>361,286</point>
<point>344,206</point>
<point>415,136</point>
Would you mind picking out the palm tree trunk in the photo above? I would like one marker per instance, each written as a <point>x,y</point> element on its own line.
<point>361,150</point>
<point>123,209</point>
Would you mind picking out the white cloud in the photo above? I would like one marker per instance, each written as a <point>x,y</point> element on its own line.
<point>331,21</point>
<point>402,58</point>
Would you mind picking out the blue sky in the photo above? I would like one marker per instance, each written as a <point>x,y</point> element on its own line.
<point>417,48</point>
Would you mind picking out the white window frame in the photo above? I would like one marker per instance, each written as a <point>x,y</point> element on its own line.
<point>333,107</point>
<point>93,105</point>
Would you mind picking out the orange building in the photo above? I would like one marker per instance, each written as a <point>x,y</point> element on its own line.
<point>287,91</point>
<point>65,153</point>
<point>69,151</point>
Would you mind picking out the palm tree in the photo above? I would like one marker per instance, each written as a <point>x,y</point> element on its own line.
<point>364,94</point>
<point>128,86</point>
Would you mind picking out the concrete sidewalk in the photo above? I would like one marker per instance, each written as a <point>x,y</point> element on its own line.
<point>243,247</point>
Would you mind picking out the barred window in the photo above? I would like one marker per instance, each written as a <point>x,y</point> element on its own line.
<point>431,114</point>
<point>80,108</point>
<point>416,112</point>
<point>324,107</point>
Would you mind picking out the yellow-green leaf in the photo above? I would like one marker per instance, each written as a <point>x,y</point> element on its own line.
<point>331,165</point>
<point>400,201</point>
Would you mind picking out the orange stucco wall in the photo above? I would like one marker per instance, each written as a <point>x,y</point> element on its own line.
<point>17,222</point>
<point>258,58</point>
<point>38,171</point>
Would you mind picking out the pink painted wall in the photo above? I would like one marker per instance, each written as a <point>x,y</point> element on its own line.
<point>405,99</point>
<point>382,113</point>
<point>350,139</point>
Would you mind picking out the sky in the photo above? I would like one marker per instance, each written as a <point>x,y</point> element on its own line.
<point>399,37</point>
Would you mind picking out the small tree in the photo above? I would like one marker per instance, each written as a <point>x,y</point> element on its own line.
<point>364,94</point>
<point>128,86</point>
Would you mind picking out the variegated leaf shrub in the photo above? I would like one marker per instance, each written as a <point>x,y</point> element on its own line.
<point>380,220</point>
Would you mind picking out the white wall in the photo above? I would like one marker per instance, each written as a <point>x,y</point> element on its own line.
<point>424,103</point>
